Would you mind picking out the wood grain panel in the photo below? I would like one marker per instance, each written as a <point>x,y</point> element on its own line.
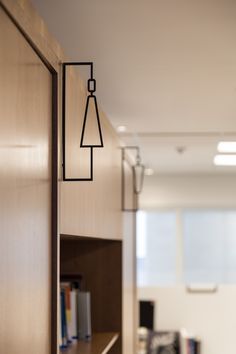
<point>25,194</point>
<point>90,208</point>
<point>102,198</point>
<point>23,12</point>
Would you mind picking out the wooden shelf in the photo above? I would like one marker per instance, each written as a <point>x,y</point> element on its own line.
<point>100,343</point>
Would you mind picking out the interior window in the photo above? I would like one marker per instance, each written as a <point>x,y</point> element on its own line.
<point>156,248</point>
<point>209,246</point>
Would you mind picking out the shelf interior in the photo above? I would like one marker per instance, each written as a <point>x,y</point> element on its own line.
<point>98,263</point>
<point>100,343</point>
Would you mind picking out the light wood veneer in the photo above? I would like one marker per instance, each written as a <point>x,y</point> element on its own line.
<point>25,195</point>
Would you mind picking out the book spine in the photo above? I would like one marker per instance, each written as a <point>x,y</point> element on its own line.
<point>63,320</point>
<point>68,313</point>
<point>84,315</point>
<point>197,347</point>
<point>73,323</point>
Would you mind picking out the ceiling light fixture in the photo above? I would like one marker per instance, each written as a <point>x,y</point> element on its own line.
<point>91,135</point>
<point>227,146</point>
<point>225,160</point>
<point>121,129</point>
<point>138,169</point>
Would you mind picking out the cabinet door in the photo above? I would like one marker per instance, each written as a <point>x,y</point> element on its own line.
<point>25,195</point>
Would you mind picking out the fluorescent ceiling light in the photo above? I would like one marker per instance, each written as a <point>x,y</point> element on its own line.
<point>227,146</point>
<point>225,160</point>
<point>121,128</point>
<point>202,288</point>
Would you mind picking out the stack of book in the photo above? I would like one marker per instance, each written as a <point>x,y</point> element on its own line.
<point>189,343</point>
<point>160,342</point>
<point>75,323</point>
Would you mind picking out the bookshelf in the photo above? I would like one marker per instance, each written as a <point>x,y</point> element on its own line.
<point>98,263</point>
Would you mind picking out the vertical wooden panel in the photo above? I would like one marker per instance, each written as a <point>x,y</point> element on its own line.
<point>129,284</point>
<point>25,196</point>
<point>93,209</point>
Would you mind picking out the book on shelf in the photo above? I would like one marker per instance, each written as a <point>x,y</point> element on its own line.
<point>63,324</point>
<point>84,315</point>
<point>73,323</point>
<point>171,342</point>
<point>75,312</point>
<point>189,344</point>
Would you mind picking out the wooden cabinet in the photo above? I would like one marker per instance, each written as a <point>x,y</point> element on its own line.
<point>27,192</point>
<point>91,221</point>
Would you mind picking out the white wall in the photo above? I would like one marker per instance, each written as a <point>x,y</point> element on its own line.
<point>212,317</point>
<point>185,191</point>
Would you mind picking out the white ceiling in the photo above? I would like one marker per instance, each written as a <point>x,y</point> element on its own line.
<point>162,67</point>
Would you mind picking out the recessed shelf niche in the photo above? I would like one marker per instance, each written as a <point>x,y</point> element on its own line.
<point>99,263</point>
